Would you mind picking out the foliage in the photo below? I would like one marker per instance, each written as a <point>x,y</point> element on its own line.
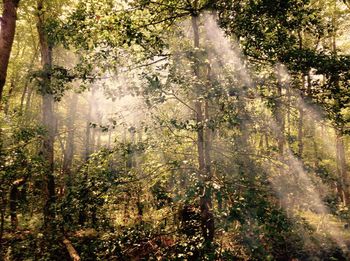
<point>174,120</point>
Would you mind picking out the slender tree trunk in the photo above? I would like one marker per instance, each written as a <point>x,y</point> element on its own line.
<point>126,207</point>
<point>109,139</point>
<point>14,76</point>
<point>207,220</point>
<point>99,135</point>
<point>7,35</point>
<point>27,82</point>
<point>69,148</point>
<point>88,147</point>
<point>267,144</point>
<point>208,136</point>
<point>95,129</point>
<point>261,145</point>
<point>48,119</point>
<point>28,101</point>
<point>13,207</point>
<point>14,193</point>
<point>300,104</point>
<point>289,103</point>
<point>3,212</point>
<point>342,168</point>
<point>12,87</point>
<point>139,206</point>
<point>340,150</point>
<point>300,125</point>
<point>280,115</point>
<point>25,90</point>
<point>131,162</point>
<point>93,140</point>
<point>313,122</point>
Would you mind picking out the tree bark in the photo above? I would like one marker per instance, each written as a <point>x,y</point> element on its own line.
<point>109,138</point>
<point>88,128</point>
<point>12,87</point>
<point>280,115</point>
<point>71,250</point>
<point>27,82</point>
<point>3,212</point>
<point>48,118</point>
<point>207,219</point>
<point>300,125</point>
<point>7,35</point>
<point>69,148</point>
<point>340,149</point>
<point>14,200</point>
<point>342,168</point>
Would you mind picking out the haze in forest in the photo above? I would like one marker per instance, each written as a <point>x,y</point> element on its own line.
<point>174,130</point>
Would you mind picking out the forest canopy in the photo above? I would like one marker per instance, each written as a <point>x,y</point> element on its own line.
<point>175,130</point>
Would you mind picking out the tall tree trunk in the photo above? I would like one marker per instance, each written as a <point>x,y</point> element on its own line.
<point>342,168</point>
<point>340,150</point>
<point>83,210</point>
<point>95,129</point>
<point>14,193</point>
<point>48,118</point>
<point>300,124</point>
<point>98,142</point>
<point>109,138</point>
<point>280,115</point>
<point>13,207</point>
<point>3,212</point>
<point>207,220</point>
<point>300,104</point>
<point>28,101</point>
<point>93,140</point>
<point>289,104</point>
<point>23,96</point>
<point>26,90</point>
<point>88,126</point>
<point>15,75</point>
<point>12,87</point>
<point>7,35</point>
<point>69,148</point>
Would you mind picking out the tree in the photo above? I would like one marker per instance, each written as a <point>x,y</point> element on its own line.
<point>224,117</point>
<point>48,116</point>
<point>8,28</point>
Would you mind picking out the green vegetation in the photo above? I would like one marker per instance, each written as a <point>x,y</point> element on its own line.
<point>175,130</point>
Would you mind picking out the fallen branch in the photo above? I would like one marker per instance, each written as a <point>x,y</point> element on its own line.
<point>71,250</point>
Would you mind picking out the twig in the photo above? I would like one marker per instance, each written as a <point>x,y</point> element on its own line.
<point>71,250</point>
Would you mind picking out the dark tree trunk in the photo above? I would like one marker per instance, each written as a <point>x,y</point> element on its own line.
<point>139,206</point>
<point>13,207</point>
<point>203,149</point>
<point>14,194</point>
<point>7,35</point>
